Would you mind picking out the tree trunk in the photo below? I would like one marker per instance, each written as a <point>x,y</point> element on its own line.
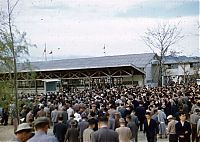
<point>15,66</point>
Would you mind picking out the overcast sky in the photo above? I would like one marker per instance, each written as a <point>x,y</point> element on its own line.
<point>80,28</point>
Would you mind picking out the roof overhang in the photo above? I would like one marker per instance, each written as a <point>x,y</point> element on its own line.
<point>84,68</point>
<point>50,80</point>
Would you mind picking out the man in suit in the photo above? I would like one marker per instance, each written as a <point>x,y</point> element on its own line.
<point>183,128</point>
<point>54,116</point>
<point>150,128</point>
<point>42,125</point>
<point>87,133</point>
<point>134,128</point>
<point>124,132</point>
<point>60,130</point>
<point>82,125</point>
<point>140,113</point>
<point>104,134</point>
<point>72,134</point>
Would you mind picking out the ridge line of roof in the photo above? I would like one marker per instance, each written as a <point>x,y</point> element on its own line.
<point>90,57</point>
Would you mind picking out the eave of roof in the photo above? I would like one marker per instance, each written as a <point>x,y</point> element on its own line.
<point>84,68</point>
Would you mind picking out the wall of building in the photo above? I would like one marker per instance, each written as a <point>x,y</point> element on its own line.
<point>177,71</point>
<point>137,80</point>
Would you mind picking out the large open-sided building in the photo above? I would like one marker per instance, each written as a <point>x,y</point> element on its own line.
<point>82,73</point>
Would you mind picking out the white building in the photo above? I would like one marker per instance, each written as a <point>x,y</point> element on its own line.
<point>181,69</point>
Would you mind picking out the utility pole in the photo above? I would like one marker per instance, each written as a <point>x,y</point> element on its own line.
<point>45,52</point>
<point>104,50</point>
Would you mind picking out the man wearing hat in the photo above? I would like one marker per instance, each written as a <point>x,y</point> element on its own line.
<point>23,133</point>
<point>42,125</point>
<point>72,134</point>
<point>124,132</point>
<point>171,129</point>
<point>104,134</point>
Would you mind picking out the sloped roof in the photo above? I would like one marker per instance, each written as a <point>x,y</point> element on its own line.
<point>180,59</point>
<point>135,60</point>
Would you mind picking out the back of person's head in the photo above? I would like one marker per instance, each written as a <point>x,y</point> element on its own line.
<point>155,111</point>
<point>42,107</point>
<point>128,117</point>
<point>60,118</point>
<point>92,114</point>
<point>72,116</point>
<point>92,121</point>
<point>103,119</point>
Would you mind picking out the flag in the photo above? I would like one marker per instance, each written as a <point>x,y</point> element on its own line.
<point>104,49</point>
<point>45,49</point>
<point>50,52</point>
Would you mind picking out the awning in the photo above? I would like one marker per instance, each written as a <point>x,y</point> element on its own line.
<point>51,80</point>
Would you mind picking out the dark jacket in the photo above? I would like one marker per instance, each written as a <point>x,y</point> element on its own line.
<point>152,129</point>
<point>105,135</point>
<point>72,135</point>
<point>181,130</point>
<point>59,131</point>
<point>81,127</point>
<point>140,113</point>
<point>134,128</point>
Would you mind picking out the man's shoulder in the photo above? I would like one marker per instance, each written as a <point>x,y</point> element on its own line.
<point>123,129</point>
<point>43,139</point>
<point>178,123</point>
<point>88,130</point>
<point>105,130</point>
<point>152,120</point>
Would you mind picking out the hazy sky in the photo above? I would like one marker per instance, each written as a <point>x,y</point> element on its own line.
<point>80,28</point>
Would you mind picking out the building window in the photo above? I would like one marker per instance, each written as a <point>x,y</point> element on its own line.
<point>172,66</point>
<point>194,65</point>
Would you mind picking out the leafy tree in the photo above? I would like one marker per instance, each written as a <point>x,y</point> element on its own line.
<point>13,44</point>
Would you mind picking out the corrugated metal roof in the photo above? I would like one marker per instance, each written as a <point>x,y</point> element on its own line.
<point>134,60</point>
<point>180,59</point>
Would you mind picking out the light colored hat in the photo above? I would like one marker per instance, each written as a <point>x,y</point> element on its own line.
<point>170,117</point>
<point>41,120</point>
<point>23,126</point>
<point>121,120</point>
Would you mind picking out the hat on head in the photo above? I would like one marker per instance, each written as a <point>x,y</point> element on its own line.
<point>94,105</point>
<point>170,117</point>
<point>23,126</point>
<point>121,120</point>
<point>73,123</point>
<point>41,120</point>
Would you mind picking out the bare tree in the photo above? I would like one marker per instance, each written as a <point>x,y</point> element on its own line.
<point>159,40</point>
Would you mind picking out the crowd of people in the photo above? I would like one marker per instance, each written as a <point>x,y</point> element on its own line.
<point>114,115</point>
